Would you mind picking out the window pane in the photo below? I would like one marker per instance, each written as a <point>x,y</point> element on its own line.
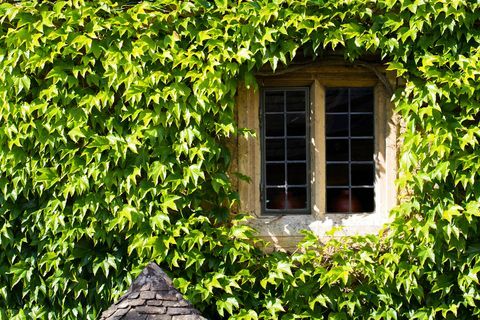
<point>275,149</point>
<point>362,125</point>
<point>348,126</point>
<point>365,198</point>
<point>337,125</point>
<point>362,149</point>
<point>338,200</point>
<point>336,100</point>
<point>274,101</point>
<point>274,126</point>
<point>275,198</point>
<point>296,149</point>
<point>285,131</point>
<point>337,150</point>
<point>296,124</point>
<point>361,99</point>
<point>296,100</point>
<point>362,175</point>
<point>275,174</point>
<point>297,173</point>
<point>346,201</point>
<point>337,175</point>
<point>297,198</point>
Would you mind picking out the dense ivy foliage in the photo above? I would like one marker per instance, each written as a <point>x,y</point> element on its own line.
<point>114,121</point>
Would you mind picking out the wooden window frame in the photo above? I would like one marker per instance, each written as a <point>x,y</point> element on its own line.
<point>284,230</point>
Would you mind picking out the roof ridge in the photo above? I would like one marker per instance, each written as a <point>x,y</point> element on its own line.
<point>152,294</point>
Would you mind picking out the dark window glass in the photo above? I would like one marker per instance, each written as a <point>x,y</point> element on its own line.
<point>337,150</point>
<point>297,198</point>
<point>285,186</point>
<point>275,149</point>
<point>296,124</point>
<point>296,100</point>
<point>275,198</point>
<point>362,149</point>
<point>337,175</point>
<point>296,149</point>
<point>365,199</point>
<point>338,200</point>
<point>336,100</point>
<point>275,174</point>
<point>362,174</point>
<point>361,99</point>
<point>274,126</point>
<point>274,101</point>
<point>349,130</point>
<point>337,125</point>
<point>354,200</point>
<point>362,125</point>
<point>297,173</point>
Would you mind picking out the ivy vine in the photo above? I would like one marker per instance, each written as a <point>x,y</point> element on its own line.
<point>114,118</point>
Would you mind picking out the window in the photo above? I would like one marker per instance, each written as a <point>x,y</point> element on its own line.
<point>324,155</point>
<point>349,149</point>
<point>285,152</point>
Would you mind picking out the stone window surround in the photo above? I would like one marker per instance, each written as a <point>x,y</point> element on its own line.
<point>284,231</point>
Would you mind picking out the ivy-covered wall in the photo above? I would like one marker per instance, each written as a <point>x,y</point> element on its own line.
<point>114,118</point>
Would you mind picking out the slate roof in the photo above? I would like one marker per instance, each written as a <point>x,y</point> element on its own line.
<point>152,297</point>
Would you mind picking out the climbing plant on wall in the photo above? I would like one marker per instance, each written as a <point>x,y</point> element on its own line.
<point>114,120</point>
